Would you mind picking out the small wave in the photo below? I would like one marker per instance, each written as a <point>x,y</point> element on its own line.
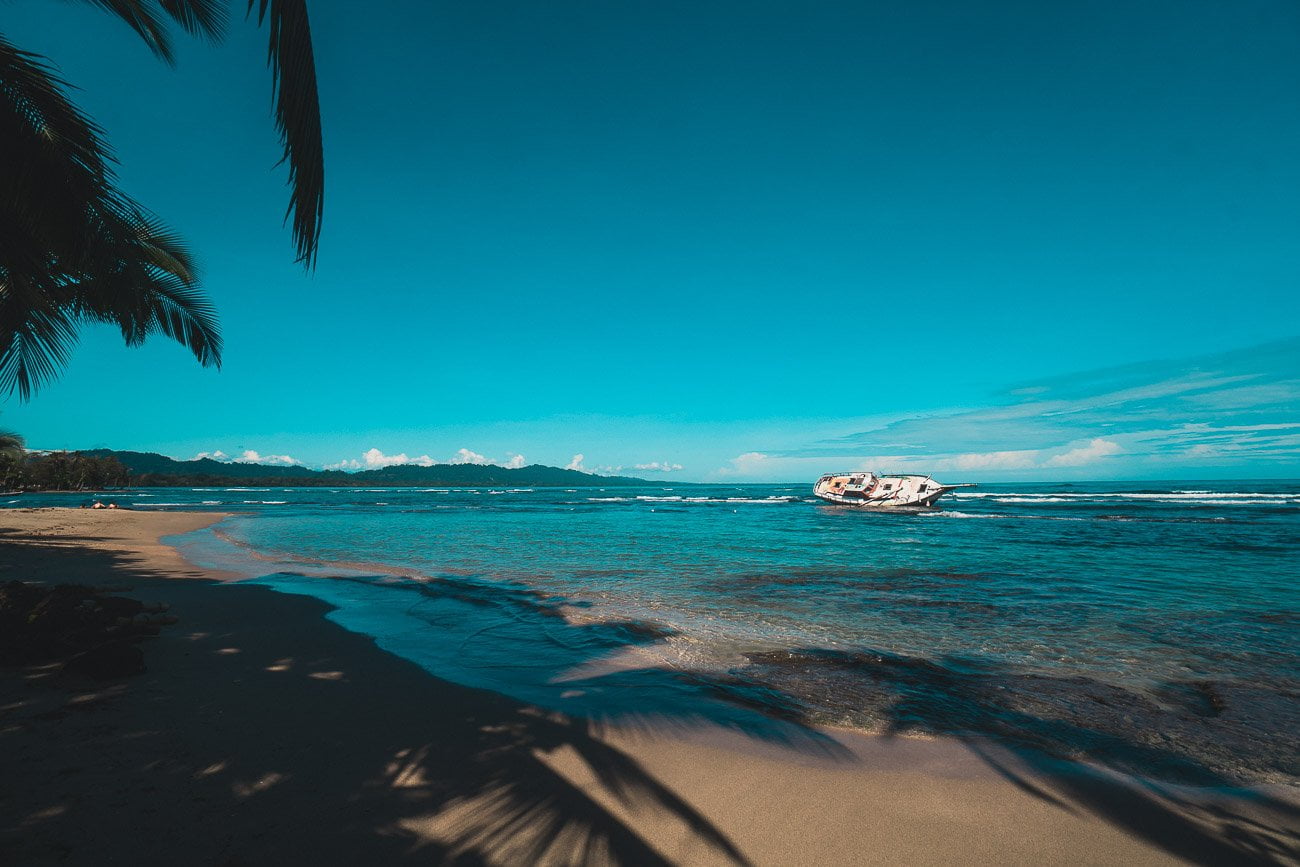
<point>266,502</point>
<point>1221,502</point>
<point>1173,496</point>
<point>247,490</point>
<point>945,513</point>
<point>608,500</point>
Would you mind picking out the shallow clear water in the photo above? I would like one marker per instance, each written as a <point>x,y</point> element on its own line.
<point>1151,616</point>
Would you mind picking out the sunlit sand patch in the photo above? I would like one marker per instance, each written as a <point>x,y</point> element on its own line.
<point>281,664</point>
<point>87,697</point>
<point>326,675</point>
<point>227,651</point>
<point>264,782</point>
<point>214,768</point>
<point>48,813</point>
<point>407,769</point>
<point>630,658</point>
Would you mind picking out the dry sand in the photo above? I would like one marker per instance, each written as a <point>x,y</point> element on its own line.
<point>264,733</point>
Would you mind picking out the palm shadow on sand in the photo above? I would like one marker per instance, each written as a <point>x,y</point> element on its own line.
<point>1021,726</point>
<point>249,743</point>
<point>265,733</point>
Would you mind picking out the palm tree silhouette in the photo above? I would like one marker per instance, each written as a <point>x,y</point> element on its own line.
<point>12,454</point>
<point>75,249</point>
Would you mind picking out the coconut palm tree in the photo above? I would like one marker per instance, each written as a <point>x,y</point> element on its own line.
<point>75,249</point>
<point>12,455</point>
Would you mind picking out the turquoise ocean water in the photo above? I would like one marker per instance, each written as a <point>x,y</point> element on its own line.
<point>1153,627</point>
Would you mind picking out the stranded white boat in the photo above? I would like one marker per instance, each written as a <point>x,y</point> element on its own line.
<point>888,491</point>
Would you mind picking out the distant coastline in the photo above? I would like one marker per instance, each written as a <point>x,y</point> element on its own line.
<point>148,469</point>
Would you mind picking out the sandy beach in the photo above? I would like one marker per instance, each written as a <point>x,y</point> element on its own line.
<point>264,733</point>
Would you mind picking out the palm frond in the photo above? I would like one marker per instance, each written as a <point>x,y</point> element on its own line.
<point>12,446</point>
<point>297,117</point>
<point>72,246</point>
<point>36,337</point>
<point>148,19</point>
<point>33,92</point>
<point>198,17</point>
<point>150,287</point>
<point>145,20</point>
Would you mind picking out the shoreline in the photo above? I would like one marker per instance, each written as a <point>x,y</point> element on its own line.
<point>264,731</point>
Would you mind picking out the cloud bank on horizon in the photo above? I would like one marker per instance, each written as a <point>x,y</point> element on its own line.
<point>1234,413</point>
<point>1230,412</point>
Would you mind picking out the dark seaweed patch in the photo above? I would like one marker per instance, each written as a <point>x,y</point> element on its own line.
<point>1197,732</point>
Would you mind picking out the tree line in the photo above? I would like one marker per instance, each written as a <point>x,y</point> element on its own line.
<point>61,471</point>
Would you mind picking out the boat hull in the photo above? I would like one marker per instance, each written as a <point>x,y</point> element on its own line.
<point>886,493</point>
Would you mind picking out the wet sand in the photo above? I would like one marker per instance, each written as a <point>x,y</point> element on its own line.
<point>264,733</point>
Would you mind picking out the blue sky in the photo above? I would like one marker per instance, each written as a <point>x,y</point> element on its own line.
<point>690,234</point>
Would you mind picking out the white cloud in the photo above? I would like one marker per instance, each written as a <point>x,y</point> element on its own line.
<point>1083,455</point>
<point>748,464</point>
<point>576,464</point>
<point>248,456</point>
<point>375,459</point>
<point>657,467</point>
<point>1009,460</point>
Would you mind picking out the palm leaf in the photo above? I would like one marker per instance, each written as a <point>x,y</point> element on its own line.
<point>145,20</point>
<point>297,117</point>
<point>153,290</point>
<point>36,337</point>
<point>12,446</point>
<point>148,19</point>
<point>72,247</point>
<point>57,169</point>
<point>198,17</point>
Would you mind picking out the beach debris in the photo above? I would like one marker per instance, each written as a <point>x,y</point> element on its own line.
<point>90,632</point>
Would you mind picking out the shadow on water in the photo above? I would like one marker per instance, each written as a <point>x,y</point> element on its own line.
<point>1030,730</point>
<point>265,733</point>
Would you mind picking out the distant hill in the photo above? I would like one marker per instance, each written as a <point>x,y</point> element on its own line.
<point>150,470</point>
